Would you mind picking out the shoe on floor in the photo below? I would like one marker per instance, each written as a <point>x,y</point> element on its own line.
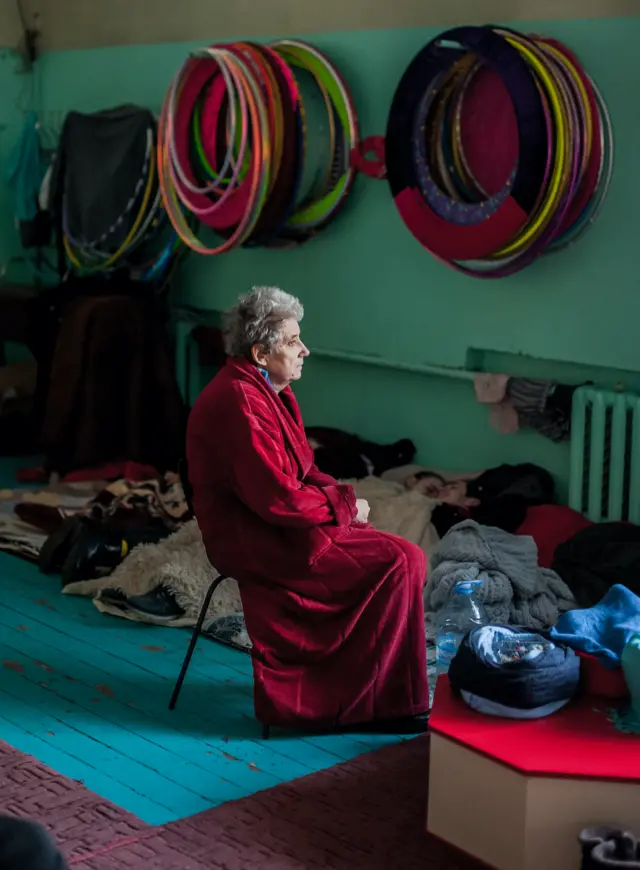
<point>55,549</point>
<point>96,548</point>
<point>160,603</point>
<point>609,849</point>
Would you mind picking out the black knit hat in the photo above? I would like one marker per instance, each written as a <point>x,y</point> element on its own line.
<point>25,845</point>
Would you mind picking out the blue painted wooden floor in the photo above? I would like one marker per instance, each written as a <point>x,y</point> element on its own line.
<point>87,694</point>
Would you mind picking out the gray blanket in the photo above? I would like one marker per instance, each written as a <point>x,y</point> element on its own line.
<point>515,589</point>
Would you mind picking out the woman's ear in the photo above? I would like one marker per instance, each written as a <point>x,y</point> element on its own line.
<point>258,356</point>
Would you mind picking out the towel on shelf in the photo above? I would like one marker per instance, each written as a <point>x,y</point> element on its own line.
<point>602,631</point>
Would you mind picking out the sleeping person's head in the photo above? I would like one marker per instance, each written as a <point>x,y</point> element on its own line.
<point>433,485</point>
<point>427,483</point>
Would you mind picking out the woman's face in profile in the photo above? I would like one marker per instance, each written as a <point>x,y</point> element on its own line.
<point>284,363</point>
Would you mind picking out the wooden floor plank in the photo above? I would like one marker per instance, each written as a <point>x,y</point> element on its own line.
<point>97,781</point>
<point>125,681</point>
<point>132,731</point>
<point>206,718</point>
<point>120,639</point>
<point>128,732</point>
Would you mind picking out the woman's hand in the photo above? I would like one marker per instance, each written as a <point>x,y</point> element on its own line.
<point>362,506</point>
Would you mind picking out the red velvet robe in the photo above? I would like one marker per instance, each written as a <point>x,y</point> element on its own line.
<point>333,607</point>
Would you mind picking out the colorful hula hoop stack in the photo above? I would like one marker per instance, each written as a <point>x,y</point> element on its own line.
<point>233,144</point>
<point>140,239</point>
<point>499,148</point>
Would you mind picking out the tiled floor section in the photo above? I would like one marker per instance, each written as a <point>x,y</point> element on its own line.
<point>365,814</point>
<point>87,694</point>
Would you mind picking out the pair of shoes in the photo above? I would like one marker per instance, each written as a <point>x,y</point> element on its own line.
<point>609,849</point>
<point>56,548</point>
<point>83,548</point>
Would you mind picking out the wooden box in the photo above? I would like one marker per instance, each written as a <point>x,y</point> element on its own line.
<point>516,794</point>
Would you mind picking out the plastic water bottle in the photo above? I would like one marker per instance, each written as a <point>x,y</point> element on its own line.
<point>458,617</point>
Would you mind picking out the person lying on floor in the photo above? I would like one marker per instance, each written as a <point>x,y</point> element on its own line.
<point>333,607</point>
<point>497,497</point>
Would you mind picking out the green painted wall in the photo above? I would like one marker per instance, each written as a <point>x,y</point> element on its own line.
<point>369,287</point>
<point>13,92</point>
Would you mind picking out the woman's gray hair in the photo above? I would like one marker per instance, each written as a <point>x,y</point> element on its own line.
<point>257,318</point>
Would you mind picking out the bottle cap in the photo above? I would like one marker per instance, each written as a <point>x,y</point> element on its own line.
<point>467,587</point>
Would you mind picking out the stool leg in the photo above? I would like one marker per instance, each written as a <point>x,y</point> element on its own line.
<point>194,639</point>
<point>266,732</point>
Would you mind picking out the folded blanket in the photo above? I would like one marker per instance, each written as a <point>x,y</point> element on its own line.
<point>515,590</point>
<point>602,631</point>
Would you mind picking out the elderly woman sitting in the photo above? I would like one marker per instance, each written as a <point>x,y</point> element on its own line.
<point>333,607</point>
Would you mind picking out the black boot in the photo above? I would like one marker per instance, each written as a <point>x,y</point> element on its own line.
<point>98,548</point>
<point>56,548</point>
<point>27,846</point>
<point>609,849</point>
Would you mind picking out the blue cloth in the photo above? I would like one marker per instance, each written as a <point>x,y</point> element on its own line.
<point>265,375</point>
<point>25,170</point>
<point>515,670</point>
<point>602,631</point>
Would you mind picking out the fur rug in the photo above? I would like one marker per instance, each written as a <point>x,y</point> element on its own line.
<point>180,563</point>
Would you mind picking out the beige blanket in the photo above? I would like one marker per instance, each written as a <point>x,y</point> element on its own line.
<point>399,511</point>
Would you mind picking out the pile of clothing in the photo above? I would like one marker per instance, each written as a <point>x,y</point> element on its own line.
<point>510,671</point>
<point>99,518</point>
<point>515,590</point>
<point>582,613</point>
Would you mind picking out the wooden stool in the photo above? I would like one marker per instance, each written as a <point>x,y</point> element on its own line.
<point>515,794</point>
